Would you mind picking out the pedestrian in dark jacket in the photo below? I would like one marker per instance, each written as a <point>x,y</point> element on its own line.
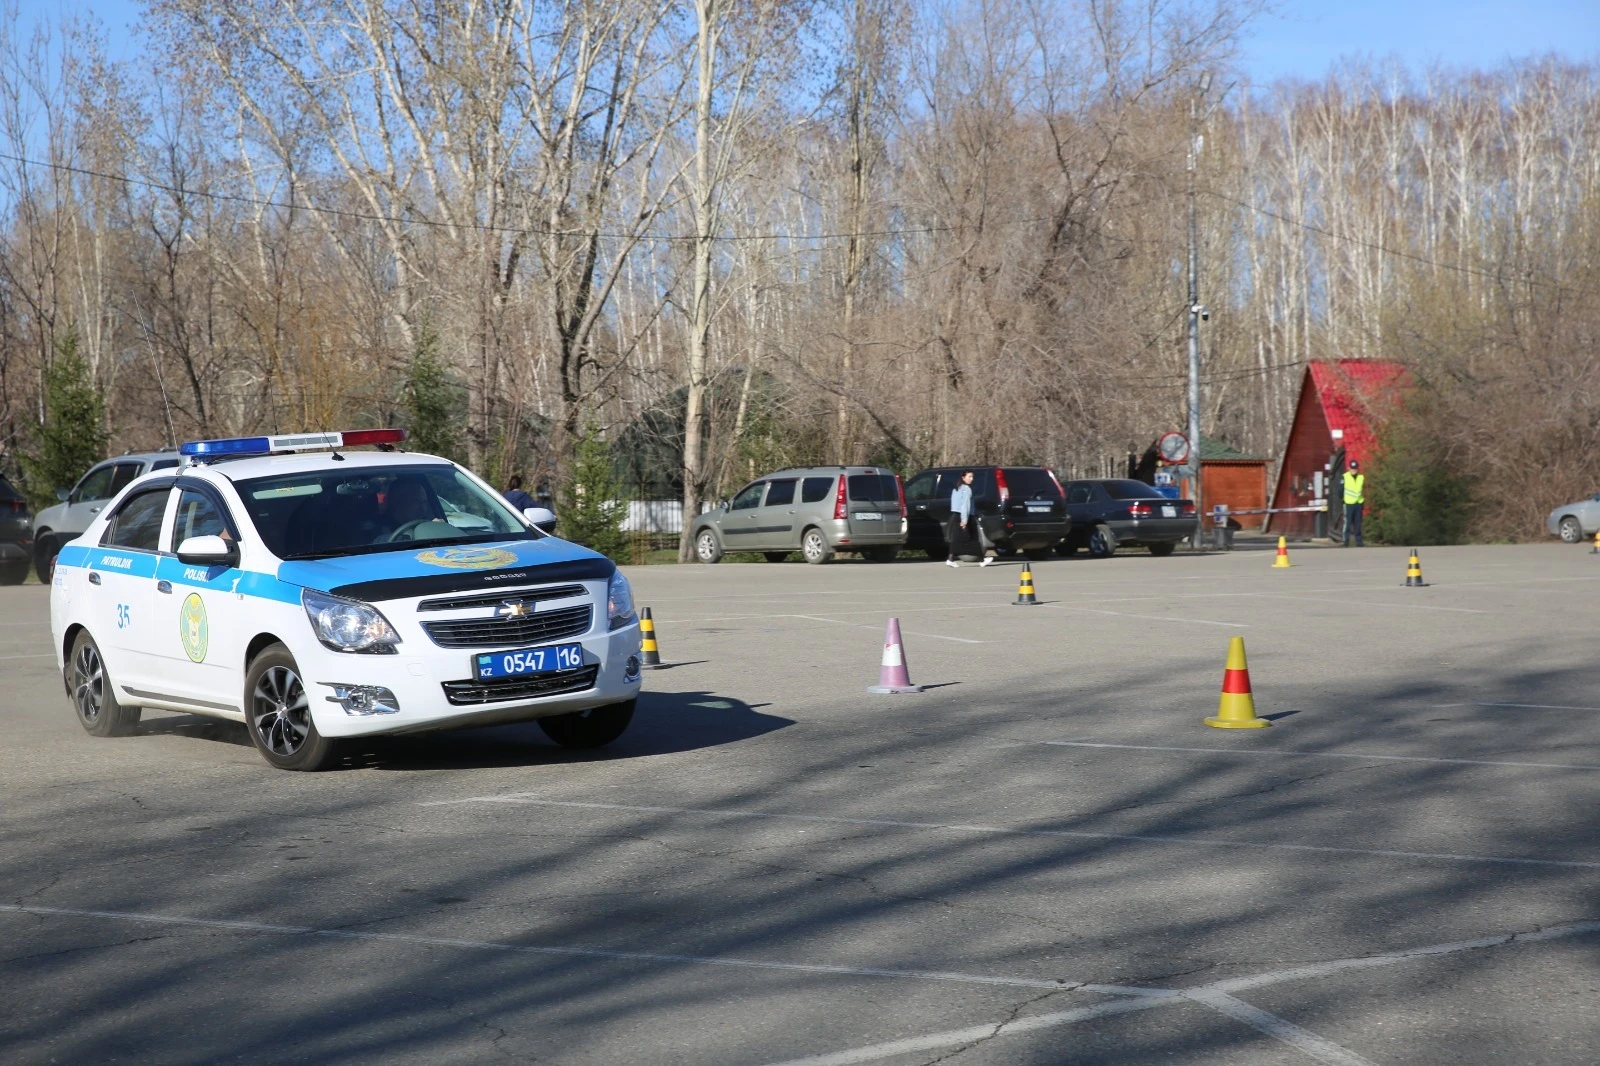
<point>515,496</point>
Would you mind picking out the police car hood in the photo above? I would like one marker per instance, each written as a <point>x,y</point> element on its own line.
<point>423,571</point>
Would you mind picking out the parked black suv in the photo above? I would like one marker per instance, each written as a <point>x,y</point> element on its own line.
<point>16,535</point>
<point>1019,508</point>
<point>1117,512</point>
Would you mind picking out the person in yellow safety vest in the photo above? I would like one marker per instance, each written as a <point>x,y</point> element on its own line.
<point>1355,503</point>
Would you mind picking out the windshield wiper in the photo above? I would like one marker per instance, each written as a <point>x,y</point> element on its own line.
<point>329,554</point>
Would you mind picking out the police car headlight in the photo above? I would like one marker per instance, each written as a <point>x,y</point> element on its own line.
<point>347,625</point>
<point>619,603</point>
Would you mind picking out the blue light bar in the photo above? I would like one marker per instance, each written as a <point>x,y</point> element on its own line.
<point>234,446</point>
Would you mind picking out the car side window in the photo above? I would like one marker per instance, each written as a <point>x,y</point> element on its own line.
<point>816,489</point>
<point>921,487</point>
<point>781,491</point>
<point>121,474</point>
<point>749,496</point>
<point>1078,494</point>
<point>137,523</point>
<point>198,516</point>
<point>983,486</point>
<point>96,485</point>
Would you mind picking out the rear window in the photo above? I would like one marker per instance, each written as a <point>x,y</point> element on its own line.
<point>1031,483</point>
<point>7,492</point>
<point>816,489</point>
<point>1132,490</point>
<point>878,488</point>
<point>163,464</point>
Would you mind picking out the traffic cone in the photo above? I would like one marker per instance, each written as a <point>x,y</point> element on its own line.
<point>1025,596</point>
<point>1596,549</point>
<point>892,675</point>
<point>1282,561</point>
<point>649,653</point>
<point>1237,709</point>
<point>1414,572</point>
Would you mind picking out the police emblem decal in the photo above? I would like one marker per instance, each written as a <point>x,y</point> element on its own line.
<point>193,629</point>
<point>472,558</point>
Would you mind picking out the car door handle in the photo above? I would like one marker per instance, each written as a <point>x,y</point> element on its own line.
<point>791,512</point>
<point>94,578</point>
<point>94,510</point>
<point>163,586</point>
<point>922,507</point>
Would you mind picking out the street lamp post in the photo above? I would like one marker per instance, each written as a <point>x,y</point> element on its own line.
<point>1195,311</point>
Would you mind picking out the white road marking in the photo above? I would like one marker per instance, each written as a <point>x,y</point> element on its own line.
<point>1341,602</point>
<point>593,953</point>
<point>1531,706</point>
<point>515,798</point>
<point>972,1034</point>
<point>39,655</point>
<point>1320,754</point>
<point>1146,617</point>
<point>1319,1048</point>
<point>864,625</point>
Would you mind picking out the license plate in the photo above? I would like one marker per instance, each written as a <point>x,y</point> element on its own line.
<point>1169,512</point>
<point>527,661</point>
<point>867,516</point>
<point>1039,508</point>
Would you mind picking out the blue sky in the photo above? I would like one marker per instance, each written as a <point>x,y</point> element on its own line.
<point>1302,39</point>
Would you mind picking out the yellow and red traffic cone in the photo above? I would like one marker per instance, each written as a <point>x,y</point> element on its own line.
<point>1282,561</point>
<point>1025,596</point>
<point>1596,549</point>
<point>649,651</point>
<point>1237,709</point>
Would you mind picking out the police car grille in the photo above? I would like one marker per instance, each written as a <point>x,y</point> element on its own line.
<point>519,688</point>
<point>509,632</point>
<point>499,596</point>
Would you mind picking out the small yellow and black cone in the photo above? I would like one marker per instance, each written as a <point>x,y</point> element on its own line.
<point>1596,549</point>
<point>1025,596</point>
<point>649,652</point>
<point>1282,561</point>
<point>1414,572</point>
<point>1237,710</point>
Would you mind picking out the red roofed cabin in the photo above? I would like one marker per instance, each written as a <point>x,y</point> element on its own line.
<point>1343,404</point>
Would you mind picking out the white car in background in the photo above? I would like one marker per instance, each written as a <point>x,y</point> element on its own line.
<point>1575,522</point>
<point>313,593</point>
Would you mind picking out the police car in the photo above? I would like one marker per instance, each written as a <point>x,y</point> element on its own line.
<point>313,592</point>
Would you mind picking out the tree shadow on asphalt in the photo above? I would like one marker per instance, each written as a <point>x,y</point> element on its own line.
<point>1074,908</point>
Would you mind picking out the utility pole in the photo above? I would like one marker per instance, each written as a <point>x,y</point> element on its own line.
<point>1195,311</point>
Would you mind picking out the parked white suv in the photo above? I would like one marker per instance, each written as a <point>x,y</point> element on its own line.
<point>54,526</point>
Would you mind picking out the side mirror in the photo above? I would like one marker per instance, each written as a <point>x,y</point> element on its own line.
<point>208,551</point>
<point>543,518</point>
<point>63,495</point>
<point>724,505</point>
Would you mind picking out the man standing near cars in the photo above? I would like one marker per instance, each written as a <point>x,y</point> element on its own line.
<point>1355,503</point>
<point>964,538</point>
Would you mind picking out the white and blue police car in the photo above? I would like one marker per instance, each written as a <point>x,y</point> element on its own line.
<point>315,592</point>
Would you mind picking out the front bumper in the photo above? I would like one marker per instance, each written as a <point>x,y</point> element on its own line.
<point>435,687</point>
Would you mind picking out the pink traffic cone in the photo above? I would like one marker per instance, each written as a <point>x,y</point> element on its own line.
<point>893,676</point>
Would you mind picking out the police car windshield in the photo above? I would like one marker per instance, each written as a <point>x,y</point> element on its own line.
<point>355,512</point>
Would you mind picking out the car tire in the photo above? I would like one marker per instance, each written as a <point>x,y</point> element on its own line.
<point>1038,555</point>
<point>814,546</point>
<point>1163,549</point>
<point>593,728</point>
<point>93,696</point>
<point>1102,542</point>
<point>14,573</point>
<point>706,547</point>
<point>775,557</point>
<point>881,555</point>
<point>45,551</point>
<point>1571,530</point>
<point>277,713</point>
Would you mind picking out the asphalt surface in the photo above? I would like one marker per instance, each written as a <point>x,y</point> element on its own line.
<point>1044,858</point>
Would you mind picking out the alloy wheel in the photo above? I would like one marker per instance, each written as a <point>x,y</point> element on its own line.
<point>281,713</point>
<point>89,683</point>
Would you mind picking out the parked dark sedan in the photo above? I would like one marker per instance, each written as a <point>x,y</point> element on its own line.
<point>1019,508</point>
<point>16,535</point>
<point>1115,512</point>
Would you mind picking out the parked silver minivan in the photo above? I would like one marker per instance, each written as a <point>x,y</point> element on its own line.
<point>817,511</point>
<point>54,526</point>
